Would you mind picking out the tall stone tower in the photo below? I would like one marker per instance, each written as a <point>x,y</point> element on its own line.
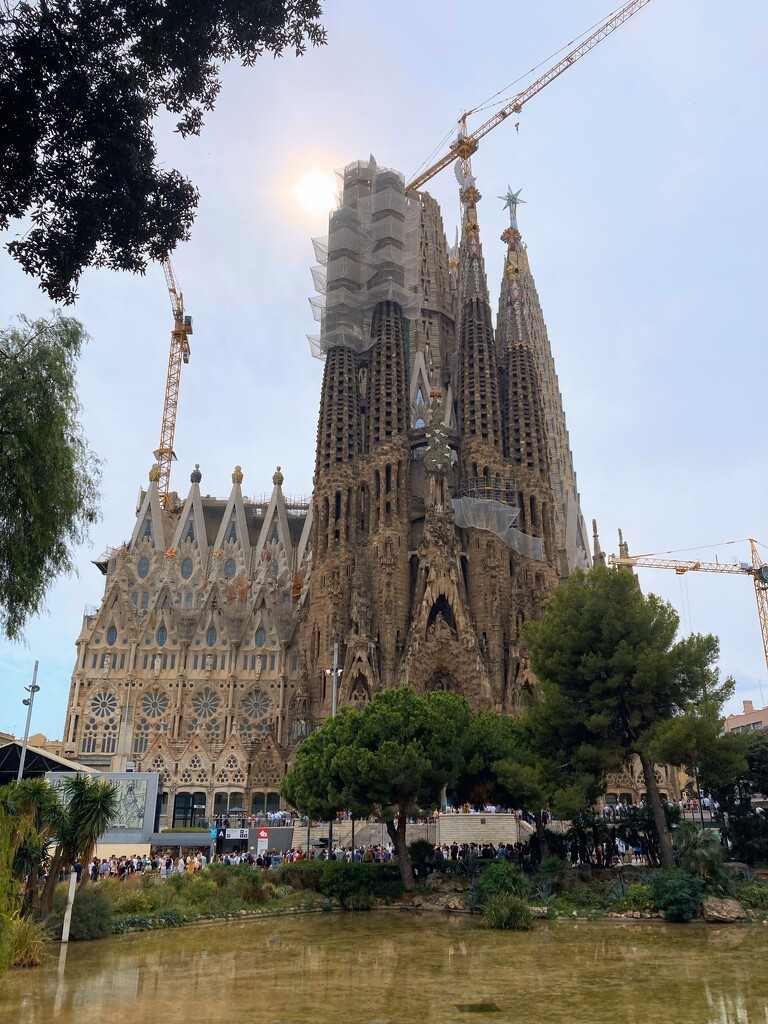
<point>451,477</point>
<point>444,511</point>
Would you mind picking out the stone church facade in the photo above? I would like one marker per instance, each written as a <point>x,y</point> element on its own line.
<point>444,512</point>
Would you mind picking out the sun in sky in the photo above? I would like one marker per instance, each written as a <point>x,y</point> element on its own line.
<point>315,192</point>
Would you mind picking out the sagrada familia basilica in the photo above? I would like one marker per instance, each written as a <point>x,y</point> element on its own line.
<point>445,510</point>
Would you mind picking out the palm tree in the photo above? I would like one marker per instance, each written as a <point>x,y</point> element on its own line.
<point>29,807</point>
<point>92,805</point>
<point>86,809</point>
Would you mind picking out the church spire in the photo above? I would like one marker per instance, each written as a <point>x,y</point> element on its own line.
<point>524,422</point>
<point>478,379</point>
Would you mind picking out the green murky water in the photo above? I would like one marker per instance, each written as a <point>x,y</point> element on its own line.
<point>394,968</point>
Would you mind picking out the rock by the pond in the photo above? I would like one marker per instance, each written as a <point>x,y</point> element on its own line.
<point>722,911</point>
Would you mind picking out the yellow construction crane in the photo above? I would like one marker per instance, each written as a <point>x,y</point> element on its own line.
<point>179,353</point>
<point>465,145</point>
<point>757,570</point>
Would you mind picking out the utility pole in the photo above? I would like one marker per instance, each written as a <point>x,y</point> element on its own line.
<point>29,701</point>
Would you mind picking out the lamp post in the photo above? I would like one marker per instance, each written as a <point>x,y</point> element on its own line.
<point>29,701</point>
<point>335,672</point>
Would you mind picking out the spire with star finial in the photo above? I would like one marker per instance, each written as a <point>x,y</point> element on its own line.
<point>511,201</point>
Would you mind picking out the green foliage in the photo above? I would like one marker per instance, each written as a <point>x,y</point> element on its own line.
<point>678,894</point>
<point>637,896</point>
<point>202,893</point>
<point>422,852</point>
<point>248,884</point>
<point>49,480</point>
<point>169,918</point>
<point>83,85</point>
<point>92,913</point>
<point>502,877</point>
<point>91,805</point>
<point>700,851</point>
<point>127,898</point>
<point>301,874</point>
<point>27,943</point>
<point>611,675</point>
<point>351,884</point>
<point>554,870</point>
<point>748,834</point>
<point>753,895</point>
<point>506,911</point>
<point>393,757</point>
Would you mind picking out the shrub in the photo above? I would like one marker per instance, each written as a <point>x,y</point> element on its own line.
<point>678,894</point>
<point>92,913</point>
<point>502,877</point>
<point>637,896</point>
<point>753,895</point>
<point>247,883</point>
<point>136,899</point>
<point>554,870</point>
<point>301,874</point>
<point>351,884</point>
<point>594,896</point>
<point>507,911</point>
<point>201,893</point>
<point>422,852</point>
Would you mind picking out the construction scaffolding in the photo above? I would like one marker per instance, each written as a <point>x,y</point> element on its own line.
<point>369,255</point>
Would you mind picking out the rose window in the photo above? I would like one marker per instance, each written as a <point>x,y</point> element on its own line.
<point>104,704</point>
<point>154,704</point>
<point>256,705</point>
<point>205,704</point>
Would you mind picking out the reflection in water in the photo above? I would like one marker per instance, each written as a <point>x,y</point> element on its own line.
<point>394,969</point>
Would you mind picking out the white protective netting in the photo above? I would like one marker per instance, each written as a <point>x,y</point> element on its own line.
<point>370,255</point>
<point>499,519</point>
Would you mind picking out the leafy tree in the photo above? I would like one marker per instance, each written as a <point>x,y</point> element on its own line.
<point>48,477</point>
<point>735,769</point>
<point>611,675</point>
<point>82,84</point>
<point>392,758</point>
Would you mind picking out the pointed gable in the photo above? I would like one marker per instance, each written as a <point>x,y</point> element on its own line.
<point>191,527</point>
<point>275,535</point>
<point>149,524</point>
<point>232,537</point>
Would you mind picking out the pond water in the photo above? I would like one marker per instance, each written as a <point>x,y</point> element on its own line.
<point>398,968</point>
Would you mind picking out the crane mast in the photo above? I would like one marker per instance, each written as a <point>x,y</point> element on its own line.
<point>758,571</point>
<point>178,354</point>
<point>466,144</point>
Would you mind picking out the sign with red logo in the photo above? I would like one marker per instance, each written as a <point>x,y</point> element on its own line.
<point>262,842</point>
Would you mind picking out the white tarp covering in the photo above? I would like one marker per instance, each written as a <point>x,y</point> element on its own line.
<point>499,519</point>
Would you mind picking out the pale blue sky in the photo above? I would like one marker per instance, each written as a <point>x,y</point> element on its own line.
<point>644,171</point>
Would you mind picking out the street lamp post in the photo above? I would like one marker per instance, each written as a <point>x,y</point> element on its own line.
<point>29,701</point>
<point>335,672</point>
